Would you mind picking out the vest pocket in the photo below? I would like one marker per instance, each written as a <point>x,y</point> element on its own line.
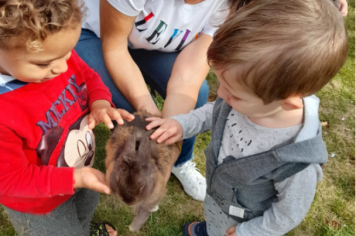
<point>237,210</point>
<point>231,207</point>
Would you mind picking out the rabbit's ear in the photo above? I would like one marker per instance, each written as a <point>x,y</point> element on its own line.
<point>129,148</point>
<point>130,144</point>
<point>144,150</point>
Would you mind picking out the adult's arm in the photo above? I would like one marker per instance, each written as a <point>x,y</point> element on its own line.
<point>115,29</point>
<point>96,88</point>
<point>188,74</point>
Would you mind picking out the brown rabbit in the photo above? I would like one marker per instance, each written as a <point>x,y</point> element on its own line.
<point>136,167</point>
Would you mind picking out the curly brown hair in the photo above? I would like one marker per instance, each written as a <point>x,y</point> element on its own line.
<point>32,21</point>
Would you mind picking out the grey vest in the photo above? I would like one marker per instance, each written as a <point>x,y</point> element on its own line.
<point>244,187</point>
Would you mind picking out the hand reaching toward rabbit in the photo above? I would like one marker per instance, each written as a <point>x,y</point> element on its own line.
<point>101,110</point>
<point>169,132</point>
<point>90,178</point>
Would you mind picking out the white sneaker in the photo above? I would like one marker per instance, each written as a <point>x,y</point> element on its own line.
<point>193,182</point>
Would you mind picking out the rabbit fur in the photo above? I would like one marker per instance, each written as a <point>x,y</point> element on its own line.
<point>136,167</point>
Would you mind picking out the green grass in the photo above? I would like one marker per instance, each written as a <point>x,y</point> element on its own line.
<point>332,212</point>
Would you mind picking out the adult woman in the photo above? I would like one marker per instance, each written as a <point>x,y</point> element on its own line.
<point>162,43</point>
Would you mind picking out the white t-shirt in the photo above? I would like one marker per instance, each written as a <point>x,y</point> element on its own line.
<point>164,25</point>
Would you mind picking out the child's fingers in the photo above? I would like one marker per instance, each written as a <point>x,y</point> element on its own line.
<point>115,115</point>
<point>100,182</point>
<point>155,123</point>
<point>126,115</point>
<point>106,189</point>
<point>107,120</point>
<point>100,187</point>
<point>158,133</point>
<point>103,189</point>
<point>168,133</point>
<point>91,122</point>
<point>231,230</point>
<point>172,140</point>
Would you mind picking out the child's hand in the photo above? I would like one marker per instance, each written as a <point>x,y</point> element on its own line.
<point>101,110</point>
<point>231,231</point>
<point>342,6</point>
<point>90,178</point>
<point>169,131</point>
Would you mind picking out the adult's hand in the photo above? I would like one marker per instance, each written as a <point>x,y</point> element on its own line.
<point>188,74</point>
<point>115,28</point>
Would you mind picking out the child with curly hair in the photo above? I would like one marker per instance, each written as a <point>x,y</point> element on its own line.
<point>50,102</point>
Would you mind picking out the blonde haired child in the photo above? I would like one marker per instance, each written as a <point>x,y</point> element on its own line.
<point>264,158</point>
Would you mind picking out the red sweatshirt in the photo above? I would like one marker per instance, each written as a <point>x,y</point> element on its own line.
<point>44,135</point>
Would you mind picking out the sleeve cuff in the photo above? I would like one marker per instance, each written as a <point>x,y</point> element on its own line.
<point>210,31</point>
<point>128,12</point>
<point>181,122</point>
<point>102,95</point>
<point>62,181</point>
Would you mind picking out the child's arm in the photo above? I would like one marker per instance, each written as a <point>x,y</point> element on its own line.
<point>101,108</point>
<point>295,195</point>
<point>182,126</point>
<point>23,178</point>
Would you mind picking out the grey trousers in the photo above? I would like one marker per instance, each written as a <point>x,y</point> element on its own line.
<point>72,218</point>
<point>216,221</point>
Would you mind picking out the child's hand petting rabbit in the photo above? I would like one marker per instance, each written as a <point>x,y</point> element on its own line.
<point>101,110</point>
<point>169,132</point>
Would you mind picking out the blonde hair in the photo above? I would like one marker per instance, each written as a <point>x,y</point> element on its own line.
<point>284,47</point>
<point>30,22</point>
